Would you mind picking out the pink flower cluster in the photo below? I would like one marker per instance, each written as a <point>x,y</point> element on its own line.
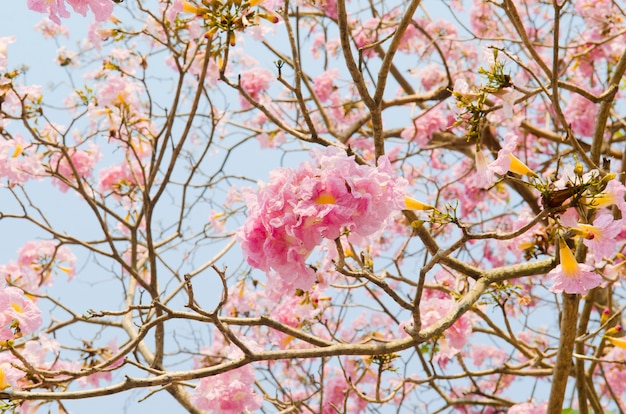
<point>123,182</point>
<point>231,392</point>
<point>581,114</point>
<point>19,161</point>
<point>101,9</point>
<point>36,261</point>
<point>455,337</point>
<point>299,208</point>
<point>324,84</point>
<point>75,163</point>
<point>254,82</point>
<point>18,314</point>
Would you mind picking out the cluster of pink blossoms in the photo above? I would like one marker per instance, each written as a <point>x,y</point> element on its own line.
<point>231,392</point>
<point>36,263</point>
<point>254,82</point>
<point>292,214</point>
<point>19,315</point>
<point>101,9</point>
<point>37,260</point>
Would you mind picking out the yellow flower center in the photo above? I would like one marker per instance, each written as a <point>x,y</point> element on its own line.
<point>325,198</point>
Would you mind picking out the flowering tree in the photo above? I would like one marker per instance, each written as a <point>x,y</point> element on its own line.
<point>437,228</point>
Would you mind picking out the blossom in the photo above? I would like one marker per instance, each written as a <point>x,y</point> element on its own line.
<point>507,161</point>
<point>292,214</point>
<point>456,336</point>
<point>41,256</point>
<point>337,393</point>
<point>581,114</point>
<point>612,194</point>
<point>101,9</point>
<point>600,237</point>
<point>123,182</point>
<point>508,101</point>
<point>51,30</point>
<point>425,125</point>
<point>17,311</point>
<point>570,276</point>
<point>615,374</point>
<point>18,161</point>
<point>10,376</point>
<point>103,355</point>
<point>323,85</point>
<point>254,82</point>
<point>431,75</point>
<point>4,43</point>
<point>483,178</point>
<point>528,408</point>
<point>54,8</point>
<point>229,393</point>
<point>75,163</point>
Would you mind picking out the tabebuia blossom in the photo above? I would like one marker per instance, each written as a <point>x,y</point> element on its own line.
<point>72,167</point>
<point>19,162</point>
<point>600,237</point>
<point>528,408</point>
<point>254,82</point>
<point>4,43</point>
<point>455,337</point>
<point>229,393</point>
<point>37,261</point>
<point>17,312</point>
<point>324,84</point>
<point>101,9</point>
<point>570,276</point>
<point>298,208</point>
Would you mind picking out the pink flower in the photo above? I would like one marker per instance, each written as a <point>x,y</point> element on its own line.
<point>16,310</point>
<point>101,9</point>
<point>528,408</point>
<point>41,256</point>
<point>323,85</point>
<point>432,75</point>
<point>581,115</point>
<point>484,177</point>
<point>54,8</point>
<point>480,353</point>
<point>570,276</point>
<point>254,82</point>
<point>507,161</point>
<point>120,92</point>
<point>19,162</point>
<point>425,125</point>
<point>123,182</point>
<point>10,376</point>
<point>229,393</point>
<point>77,163</point>
<point>50,30</point>
<point>612,194</point>
<point>4,43</point>
<point>600,238</point>
<point>615,374</point>
<point>299,208</point>
<point>337,393</point>
<point>456,336</point>
<point>272,139</point>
